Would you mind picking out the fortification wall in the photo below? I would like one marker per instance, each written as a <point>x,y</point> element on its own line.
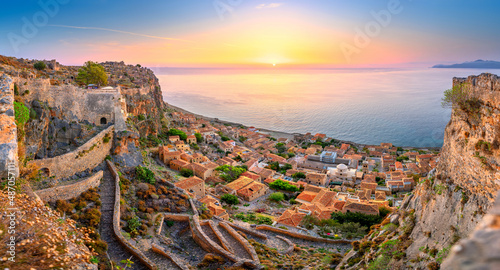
<point>248,247</point>
<point>87,156</point>
<point>116,222</point>
<point>8,129</point>
<point>70,191</point>
<point>79,104</point>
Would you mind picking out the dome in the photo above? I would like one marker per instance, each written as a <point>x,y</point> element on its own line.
<point>342,167</point>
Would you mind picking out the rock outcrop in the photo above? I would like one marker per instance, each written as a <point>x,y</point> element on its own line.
<point>8,134</point>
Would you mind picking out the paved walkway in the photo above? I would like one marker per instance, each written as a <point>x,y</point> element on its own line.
<point>115,250</point>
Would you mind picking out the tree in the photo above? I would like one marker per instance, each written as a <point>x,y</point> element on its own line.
<point>21,112</point>
<point>92,73</point>
<point>283,185</point>
<point>230,199</point>
<point>277,196</point>
<point>299,175</point>
<point>280,147</point>
<point>175,132</point>
<point>199,137</point>
<point>186,172</point>
<point>40,65</point>
<point>230,173</point>
<point>460,96</point>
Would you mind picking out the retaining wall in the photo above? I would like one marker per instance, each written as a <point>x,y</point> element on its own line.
<point>291,245</point>
<point>70,191</point>
<point>87,156</point>
<point>248,247</point>
<point>116,222</point>
<point>157,249</point>
<point>248,231</point>
<point>301,236</point>
<point>9,166</point>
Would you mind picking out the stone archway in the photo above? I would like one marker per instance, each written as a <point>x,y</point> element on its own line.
<point>104,121</point>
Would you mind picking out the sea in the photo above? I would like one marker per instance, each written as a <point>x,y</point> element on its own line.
<point>366,106</point>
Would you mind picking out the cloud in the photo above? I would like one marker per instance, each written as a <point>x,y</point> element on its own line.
<point>271,5</point>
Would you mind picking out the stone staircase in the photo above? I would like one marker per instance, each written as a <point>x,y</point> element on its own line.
<point>116,251</point>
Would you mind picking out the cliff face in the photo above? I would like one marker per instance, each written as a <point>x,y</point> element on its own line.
<point>450,205</point>
<point>452,201</point>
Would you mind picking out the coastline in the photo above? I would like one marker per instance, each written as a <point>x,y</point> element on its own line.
<point>277,134</point>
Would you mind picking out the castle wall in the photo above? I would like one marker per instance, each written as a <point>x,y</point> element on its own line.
<point>70,191</point>
<point>87,156</point>
<point>8,128</point>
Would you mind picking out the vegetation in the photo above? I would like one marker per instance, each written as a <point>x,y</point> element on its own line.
<point>92,73</point>
<point>362,219</point>
<point>145,174</point>
<point>460,96</point>
<point>229,173</point>
<point>230,199</point>
<point>22,113</point>
<point>186,172</point>
<point>253,218</point>
<point>39,65</point>
<point>175,132</point>
<point>277,197</point>
<point>199,137</point>
<point>299,175</point>
<point>283,185</point>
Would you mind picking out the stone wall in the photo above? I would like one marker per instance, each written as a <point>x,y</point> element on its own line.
<point>290,244</point>
<point>205,242</point>
<point>248,231</point>
<point>87,156</point>
<point>158,249</point>
<point>301,236</point>
<point>70,191</point>
<point>116,222</point>
<point>78,103</point>
<point>8,129</point>
<point>248,247</point>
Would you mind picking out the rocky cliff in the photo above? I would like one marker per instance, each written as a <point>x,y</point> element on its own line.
<point>449,204</point>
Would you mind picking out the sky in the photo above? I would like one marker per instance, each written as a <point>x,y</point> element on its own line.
<point>256,33</point>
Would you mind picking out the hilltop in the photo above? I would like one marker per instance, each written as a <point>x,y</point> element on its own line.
<point>484,64</point>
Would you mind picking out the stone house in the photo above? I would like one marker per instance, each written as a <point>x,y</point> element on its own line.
<point>174,139</point>
<point>360,207</point>
<point>166,156</point>
<point>191,139</point>
<point>291,217</point>
<point>214,207</point>
<point>181,146</point>
<point>318,179</point>
<point>252,191</point>
<point>193,185</point>
<point>178,164</point>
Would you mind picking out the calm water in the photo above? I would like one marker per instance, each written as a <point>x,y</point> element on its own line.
<point>370,106</point>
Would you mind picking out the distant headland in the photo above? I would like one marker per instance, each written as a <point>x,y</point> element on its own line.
<point>475,64</point>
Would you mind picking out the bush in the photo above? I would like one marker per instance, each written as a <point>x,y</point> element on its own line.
<point>186,172</point>
<point>229,173</point>
<point>277,197</point>
<point>283,185</point>
<point>145,174</point>
<point>133,224</point>
<point>362,219</point>
<point>460,96</point>
<point>175,132</point>
<point>199,137</point>
<point>230,199</point>
<point>169,223</point>
<point>39,65</point>
<point>22,113</point>
<point>299,175</point>
<point>92,73</point>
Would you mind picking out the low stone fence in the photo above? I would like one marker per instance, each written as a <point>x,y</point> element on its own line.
<point>291,245</point>
<point>157,249</point>
<point>206,243</point>
<point>116,223</point>
<point>87,156</point>
<point>248,247</point>
<point>217,233</point>
<point>69,191</point>
<point>177,217</point>
<point>248,231</point>
<point>302,236</point>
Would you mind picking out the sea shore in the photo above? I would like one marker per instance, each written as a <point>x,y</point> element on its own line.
<point>279,134</point>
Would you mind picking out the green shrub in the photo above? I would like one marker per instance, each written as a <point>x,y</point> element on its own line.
<point>229,173</point>
<point>277,197</point>
<point>175,132</point>
<point>169,223</point>
<point>40,65</point>
<point>22,113</point>
<point>145,174</point>
<point>186,172</point>
<point>283,185</point>
<point>230,199</point>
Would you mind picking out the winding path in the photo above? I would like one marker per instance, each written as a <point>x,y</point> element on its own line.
<point>116,251</point>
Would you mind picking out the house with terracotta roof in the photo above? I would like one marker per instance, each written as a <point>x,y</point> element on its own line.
<point>360,207</point>
<point>426,157</point>
<point>369,185</point>
<point>306,196</point>
<point>191,139</point>
<point>386,145</point>
<point>180,145</point>
<point>380,195</point>
<point>214,206</point>
<point>226,147</point>
<point>233,187</point>
<point>411,155</point>
<point>178,164</point>
<point>193,186</point>
<point>174,139</point>
<point>364,194</point>
<point>318,179</point>
<point>291,217</point>
<point>252,175</point>
<point>273,158</point>
<point>266,173</point>
<point>166,155</point>
<point>201,171</point>
<point>388,162</point>
<point>252,191</point>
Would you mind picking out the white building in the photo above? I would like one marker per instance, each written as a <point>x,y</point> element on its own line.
<point>342,173</point>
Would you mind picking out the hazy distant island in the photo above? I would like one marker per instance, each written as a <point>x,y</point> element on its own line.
<point>475,64</point>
